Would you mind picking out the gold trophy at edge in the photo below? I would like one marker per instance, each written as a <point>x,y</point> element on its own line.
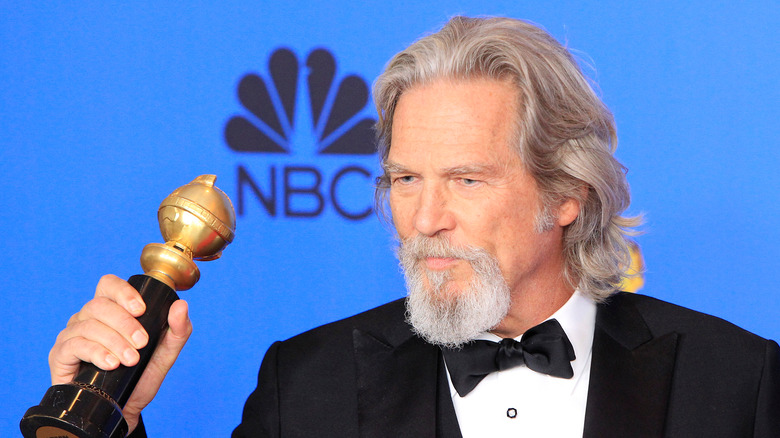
<point>197,222</point>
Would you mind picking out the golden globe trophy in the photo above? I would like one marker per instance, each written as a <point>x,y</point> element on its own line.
<point>197,222</point>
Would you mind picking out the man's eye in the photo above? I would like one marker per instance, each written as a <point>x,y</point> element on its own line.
<point>405,179</point>
<point>468,181</point>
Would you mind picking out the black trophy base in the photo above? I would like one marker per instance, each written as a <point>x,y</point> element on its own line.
<point>74,411</point>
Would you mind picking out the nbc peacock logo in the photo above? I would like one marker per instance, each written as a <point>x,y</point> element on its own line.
<point>314,136</point>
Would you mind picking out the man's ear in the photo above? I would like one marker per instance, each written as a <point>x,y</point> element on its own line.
<point>570,208</point>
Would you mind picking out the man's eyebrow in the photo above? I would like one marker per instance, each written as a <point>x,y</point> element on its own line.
<point>392,167</point>
<point>470,168</point>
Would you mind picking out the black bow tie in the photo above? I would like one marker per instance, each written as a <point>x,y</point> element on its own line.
<point>545,349</point>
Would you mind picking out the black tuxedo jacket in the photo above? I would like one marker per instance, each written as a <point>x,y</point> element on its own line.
<point>658,370</point>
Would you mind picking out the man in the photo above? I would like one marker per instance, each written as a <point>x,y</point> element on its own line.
<point>502,186</point>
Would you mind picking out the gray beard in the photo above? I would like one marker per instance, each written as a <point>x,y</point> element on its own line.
<point>451,318</point>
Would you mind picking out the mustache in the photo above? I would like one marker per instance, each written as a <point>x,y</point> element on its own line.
<point>420,247</point>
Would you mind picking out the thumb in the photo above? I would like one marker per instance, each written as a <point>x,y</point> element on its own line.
<point>171,344</point>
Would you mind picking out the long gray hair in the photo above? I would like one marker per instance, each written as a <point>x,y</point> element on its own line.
<point>565,135</point>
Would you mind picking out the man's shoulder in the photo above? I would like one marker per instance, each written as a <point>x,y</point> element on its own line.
<point>662,317</point>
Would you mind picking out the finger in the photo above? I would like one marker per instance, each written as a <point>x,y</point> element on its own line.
<point>65,358</point>
<point>122,293</point>
<point>115,318</point>
<point>107,337</point>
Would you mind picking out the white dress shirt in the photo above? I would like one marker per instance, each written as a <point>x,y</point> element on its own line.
<point>542,405</point>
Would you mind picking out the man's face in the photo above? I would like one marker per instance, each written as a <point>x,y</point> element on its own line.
<point>454,176</point>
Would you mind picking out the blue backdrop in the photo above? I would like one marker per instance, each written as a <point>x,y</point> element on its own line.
<point>105,107</point>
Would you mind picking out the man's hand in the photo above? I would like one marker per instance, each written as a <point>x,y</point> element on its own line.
<point>106,333</point>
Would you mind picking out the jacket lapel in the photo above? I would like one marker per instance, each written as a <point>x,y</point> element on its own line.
<point>396,378</point>
<point>631,374</point>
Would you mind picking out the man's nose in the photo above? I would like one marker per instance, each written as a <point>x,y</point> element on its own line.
<point>433,213</point>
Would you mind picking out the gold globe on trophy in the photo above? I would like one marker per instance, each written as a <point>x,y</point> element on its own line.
<point>197,222</point>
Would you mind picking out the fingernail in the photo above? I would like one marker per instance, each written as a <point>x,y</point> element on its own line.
<point>129,354</point>
<point>139,338</point>
<point>136,306</point>
<point>112,360</point>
